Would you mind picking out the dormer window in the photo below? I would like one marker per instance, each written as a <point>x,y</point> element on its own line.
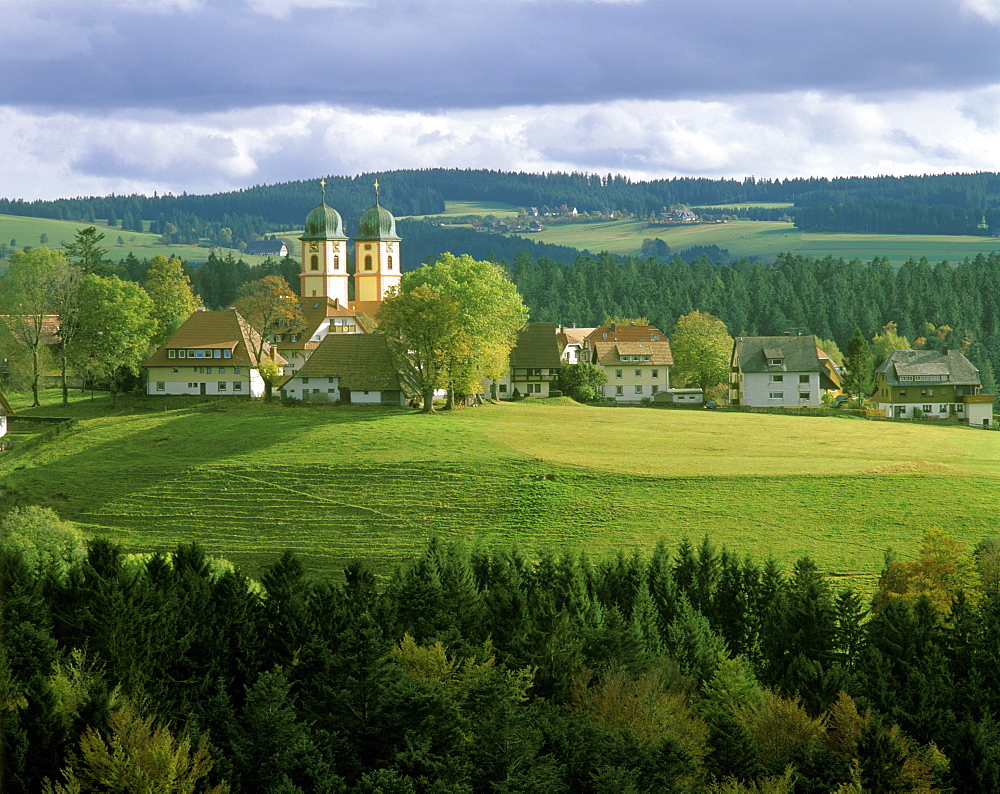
<point>775,362</point>
<point>171,354</point>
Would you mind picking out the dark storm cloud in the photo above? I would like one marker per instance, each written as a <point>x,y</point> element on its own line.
<point>427,54</point>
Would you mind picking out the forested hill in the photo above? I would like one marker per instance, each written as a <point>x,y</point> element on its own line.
<point>931,204</point>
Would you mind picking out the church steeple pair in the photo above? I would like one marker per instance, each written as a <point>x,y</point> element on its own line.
<point>324,254</point>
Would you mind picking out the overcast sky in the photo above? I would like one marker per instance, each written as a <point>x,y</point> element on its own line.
<point>101,96</point>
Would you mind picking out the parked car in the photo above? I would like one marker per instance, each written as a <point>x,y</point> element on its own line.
<point>711,404</point>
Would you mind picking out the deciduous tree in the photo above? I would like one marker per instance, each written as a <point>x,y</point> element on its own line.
<point>116,326</point>
<point>29,301</point>
<point>173,298</point>
<point>702,347</point>
<point>269,305</point>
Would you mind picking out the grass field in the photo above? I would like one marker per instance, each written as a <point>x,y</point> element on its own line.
<point>28,231</point>
<point>250,480</point>
<point>743,238</point>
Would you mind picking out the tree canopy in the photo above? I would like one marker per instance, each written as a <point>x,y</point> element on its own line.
<point>475,344</point>
<point>87,254</point>
<point>702,348</point>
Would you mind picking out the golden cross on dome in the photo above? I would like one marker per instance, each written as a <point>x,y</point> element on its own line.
<point>376,190</point>
<point>322,184</point>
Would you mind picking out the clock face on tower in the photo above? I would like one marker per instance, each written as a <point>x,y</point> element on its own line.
<point>313,246</point>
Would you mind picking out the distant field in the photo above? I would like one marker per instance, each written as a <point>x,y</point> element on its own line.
<point>767,205</point>
<point>332,484</point>
<point>28,232</point>
<point>459,208</point>
<point>766,239</point>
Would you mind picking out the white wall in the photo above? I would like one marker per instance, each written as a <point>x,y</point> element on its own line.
<point>758,387</point>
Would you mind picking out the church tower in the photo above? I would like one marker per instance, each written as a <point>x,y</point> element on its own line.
<point>324,254</point>
<point>376,254</point>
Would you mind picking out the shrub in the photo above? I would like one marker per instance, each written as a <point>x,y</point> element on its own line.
<point>555,393</point>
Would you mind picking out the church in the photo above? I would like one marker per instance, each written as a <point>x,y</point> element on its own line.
<point>355,368</point>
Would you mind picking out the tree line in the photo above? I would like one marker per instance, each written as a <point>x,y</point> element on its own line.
<point>471,669</point>
<point>928,204</point>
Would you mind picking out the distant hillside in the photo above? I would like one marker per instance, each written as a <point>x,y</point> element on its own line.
<point>933,204</point>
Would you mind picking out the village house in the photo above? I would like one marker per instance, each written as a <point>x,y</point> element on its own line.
<point>348,368</point>
<point>534,363</point>
<point>267,248</point>
<point>212,353</point>
<point>571,344</point>
<point>635,358</point>
<point>934,384</point>
<point>775,371</point>
<point>321,317</point>
<point>5,411</point>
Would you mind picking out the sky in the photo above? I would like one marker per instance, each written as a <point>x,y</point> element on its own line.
<point>203,96</point>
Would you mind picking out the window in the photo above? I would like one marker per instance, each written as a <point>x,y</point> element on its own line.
<point>961,408</point>
<point>368,261</point>
<point>174,371</point>
<point>777,379</point>
<point>199,353</point>
<point>237,370</point>
<point>191,354</point>
<point>638,373</point>
<point>208,370</point>
<point>305,380</point>
<point>293,338</point>
<point>803,378</point>
<point>656,338</point>
<point>314,262</point>
<point>192,385</point>
<point>618,373</point>
<point>619,391</point>
<point>330,380</point>
<point>775,362</point>
<point>638,389</point>
<point>161,386</point>
<point>171,354</point>
<point>237,386</point>
<point>227,353</point>
<point>502,388</point>
<point>222,385</point>
<point>647,358</point>
<point>927,409</point>
<point>803,395</point>
<point>181,354</point>
<point>626,358</point>
<point>216,354</point>
<point>776,395</point>
<point>336,261</point>
<point>388,262</point>
<point>368,246</point>
<point>902,392</point>
<point>222,370</point>
<point>942,409</point>
<point>656,373</point>
<point>534,388</point>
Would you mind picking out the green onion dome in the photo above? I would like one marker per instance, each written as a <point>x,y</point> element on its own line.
<point>324,223</point>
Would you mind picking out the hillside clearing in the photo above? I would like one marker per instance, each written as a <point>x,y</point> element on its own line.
<point>249,480</point>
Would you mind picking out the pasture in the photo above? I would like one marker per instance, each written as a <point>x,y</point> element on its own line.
<point>27,232</point>
<point>248,480</point>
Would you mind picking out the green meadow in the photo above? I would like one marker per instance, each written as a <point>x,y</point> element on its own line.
<point>249,480</point>
<point>27,232</point>
<point>741,238</point>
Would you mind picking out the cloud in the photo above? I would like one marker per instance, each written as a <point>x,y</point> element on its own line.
<point>202,55</point>
<point>778,135</point>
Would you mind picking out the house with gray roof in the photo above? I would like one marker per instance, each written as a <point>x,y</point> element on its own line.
<point>940,384</point>
<point>773,371</point>
<point>348,368</point>
<point>535,363</point>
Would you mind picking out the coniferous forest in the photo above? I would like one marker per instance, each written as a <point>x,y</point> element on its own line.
<point>477,670</point>
<point>928,204</point>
